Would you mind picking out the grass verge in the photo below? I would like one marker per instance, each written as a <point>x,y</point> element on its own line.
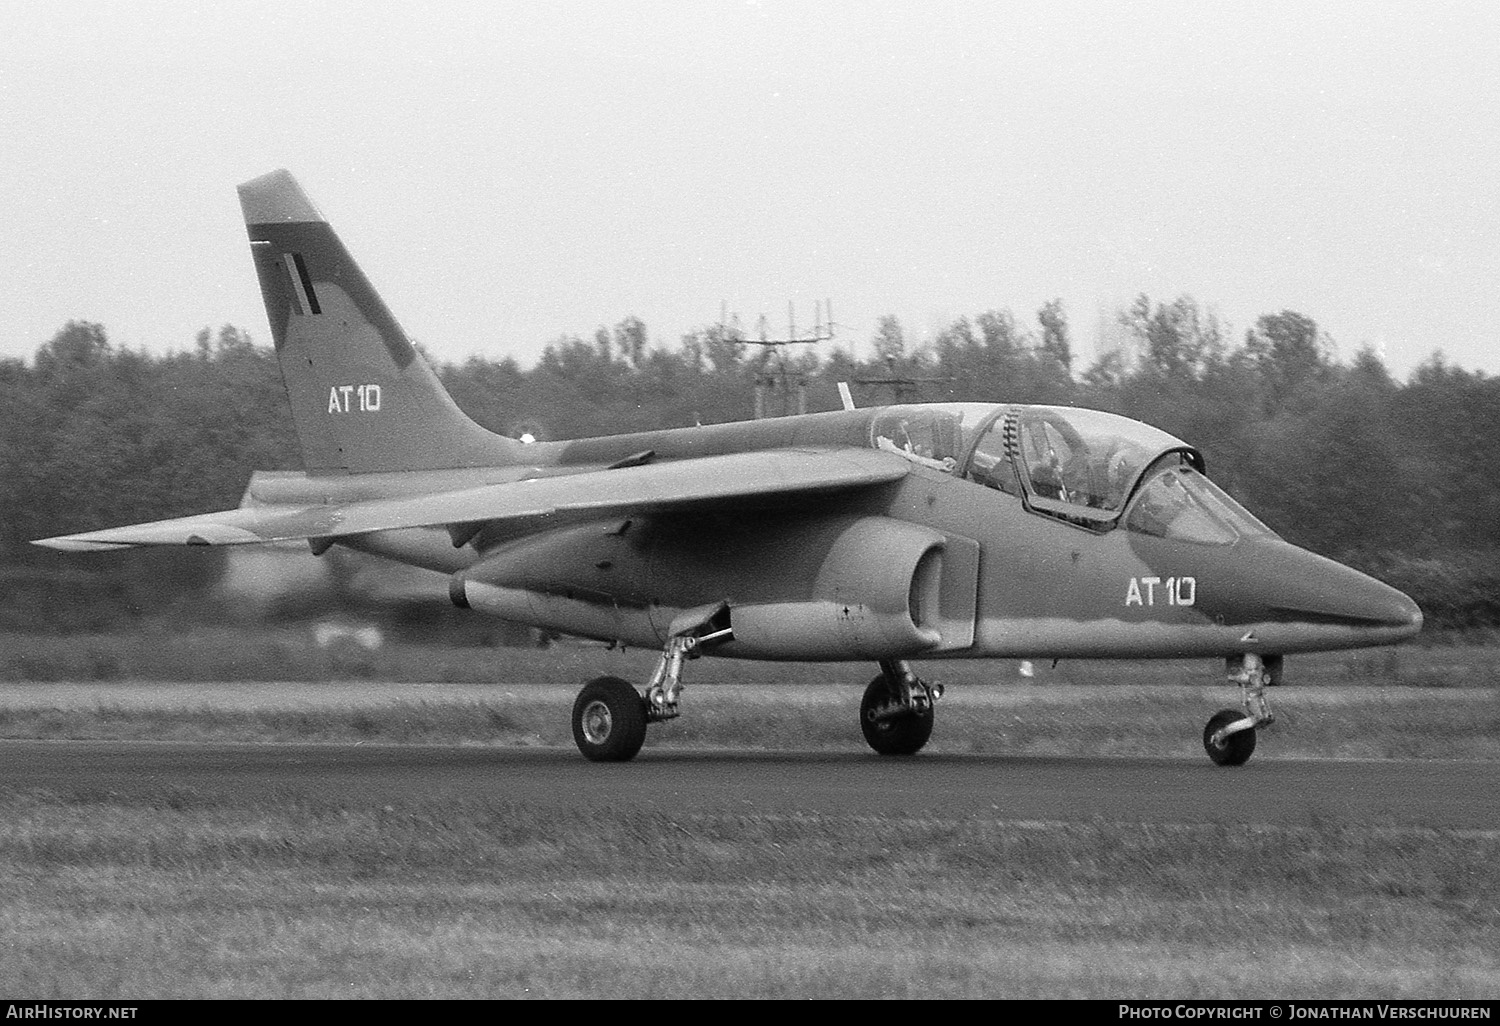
<point>182,897</point>
<point>340,652</point>
<point>1117,721</point>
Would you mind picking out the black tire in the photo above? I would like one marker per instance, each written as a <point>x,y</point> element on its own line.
<point>609,720</point>
<point>1234,749</point>
<point>900,735</point>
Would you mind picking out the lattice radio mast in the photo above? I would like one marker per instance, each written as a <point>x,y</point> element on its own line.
<point>775,379</point>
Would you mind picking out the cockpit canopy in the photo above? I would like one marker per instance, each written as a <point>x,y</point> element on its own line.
<point>1082,466</point>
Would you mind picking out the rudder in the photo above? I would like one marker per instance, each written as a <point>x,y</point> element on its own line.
<point>363,399</point>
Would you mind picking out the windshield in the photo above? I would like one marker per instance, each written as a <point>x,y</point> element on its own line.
<point>1178,502</point>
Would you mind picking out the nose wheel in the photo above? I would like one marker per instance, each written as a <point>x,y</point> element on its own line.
<point>1229,735</point>
<point>1228,748</point>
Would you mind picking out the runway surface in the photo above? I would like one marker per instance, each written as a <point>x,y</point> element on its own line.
<point>1455,795</point>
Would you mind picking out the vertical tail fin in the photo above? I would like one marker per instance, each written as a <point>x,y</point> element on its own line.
<point>363,399</point>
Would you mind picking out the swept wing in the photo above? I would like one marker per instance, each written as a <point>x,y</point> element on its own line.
<point>703,483</point>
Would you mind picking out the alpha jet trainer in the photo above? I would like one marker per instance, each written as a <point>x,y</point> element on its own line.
<point>940,531</point>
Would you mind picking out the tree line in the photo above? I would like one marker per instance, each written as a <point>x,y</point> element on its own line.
<point>1399,478</point>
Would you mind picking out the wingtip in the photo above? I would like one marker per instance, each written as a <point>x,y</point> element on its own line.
<point>276,197</point>
<point>75,544</point>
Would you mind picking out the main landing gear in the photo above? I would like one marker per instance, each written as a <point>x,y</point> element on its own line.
<point>897,710</point>
<point>1229,736</point>
<point>610,717</point>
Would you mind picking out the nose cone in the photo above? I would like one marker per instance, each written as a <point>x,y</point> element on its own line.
<point>1318,603</point>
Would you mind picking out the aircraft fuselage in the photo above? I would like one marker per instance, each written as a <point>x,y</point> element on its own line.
<point>965,570</point>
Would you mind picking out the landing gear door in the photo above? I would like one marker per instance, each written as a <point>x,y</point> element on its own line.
<point>958,593</point>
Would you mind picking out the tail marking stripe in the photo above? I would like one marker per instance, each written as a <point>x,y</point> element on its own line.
<point>302,286</point>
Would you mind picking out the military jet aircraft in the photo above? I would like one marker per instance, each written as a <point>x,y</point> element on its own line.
<point>939,531</point>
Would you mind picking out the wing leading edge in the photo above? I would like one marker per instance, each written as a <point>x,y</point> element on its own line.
<point>690,484</point>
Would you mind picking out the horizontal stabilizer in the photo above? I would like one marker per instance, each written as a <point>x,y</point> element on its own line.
<point>711,482</point>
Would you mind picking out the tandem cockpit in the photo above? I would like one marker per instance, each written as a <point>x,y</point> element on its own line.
<point>1091,469</point>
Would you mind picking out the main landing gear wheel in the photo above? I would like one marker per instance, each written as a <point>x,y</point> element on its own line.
<point>901,734</point>
<point>1233,749</point>
<point>609,720</point>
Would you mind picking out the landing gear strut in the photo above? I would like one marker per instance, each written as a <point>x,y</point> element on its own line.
<point>610,716</point>
<point>1229,736</point>
<point>896,712</point>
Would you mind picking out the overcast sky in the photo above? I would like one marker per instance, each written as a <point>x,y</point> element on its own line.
<point>507,173</point>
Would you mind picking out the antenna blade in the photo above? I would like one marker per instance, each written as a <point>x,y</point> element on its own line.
<point>844,396</point>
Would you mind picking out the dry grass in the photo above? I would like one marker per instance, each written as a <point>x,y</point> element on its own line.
<point>294,654</point>
<point>184,898</point>
<point>1440,701</point>
<point>1328,722</point>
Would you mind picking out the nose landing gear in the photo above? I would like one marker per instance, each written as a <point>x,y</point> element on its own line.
<point>1229,736</point>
